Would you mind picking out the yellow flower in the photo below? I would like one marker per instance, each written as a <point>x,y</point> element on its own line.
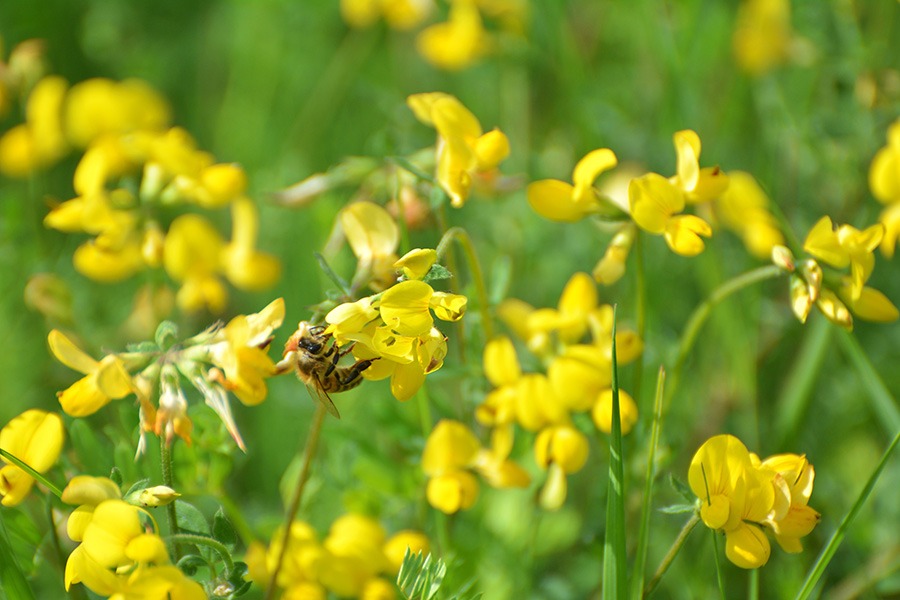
<point>602,411</point>
<point>36,438</point>
<point>735,497</point>
<point>884,173</point>
<point>452,492</point>
<point>397,545</point>
<point>559,201</point>
<point>373,236</point>
<point>871,305</point>
<point>105,380</point>
<point>38,142</point>
<point>561,450</point>
<point>464,152</point>
<point>401,15</point>
<point>456,43</point>
<point>699,185</point>
<point>743,208</point>
<point>793,476</point>
<point>451,446</point>
<point>192,256</point>
<point>243,265</point>
<point>655,205</point>
<point>97,107</point>
<point>570,319</point>
<point>844,246</point>
<point>611,267</point>
<point>762,35</point>
<point>354,554</point>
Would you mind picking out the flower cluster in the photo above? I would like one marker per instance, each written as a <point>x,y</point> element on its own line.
<point>578,379</point>
<point>133,165</point>
<point>452,452</point>
<point>36,438</point>
<point>230,358</point>
<point>656,205</point>
<point>352,560</point>
<point>743,497</point>
<point>762,35</point>
<point>837,294</point>
<point>120,551</point>
<point>395,328</point>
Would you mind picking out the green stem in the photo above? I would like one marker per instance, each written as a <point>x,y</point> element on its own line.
<point>672,553</point>
<point>465,242</point>
<point>202,540</point>
<point>640,308</point>
<point>640,559</point>
<point>312,444</point>
<point>720,576</point>
<point>615,573</point>
<point>753,585</point>
<point>28,469</point>
<point>165,460</point>
<point>701,314</point>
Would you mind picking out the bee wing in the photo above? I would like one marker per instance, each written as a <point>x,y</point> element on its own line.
<point>322,396</point>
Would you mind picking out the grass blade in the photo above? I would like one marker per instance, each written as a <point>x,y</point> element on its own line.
<point>28,469</point>
<point>884,404</point>
<point>615,575</point>
<point>640,561</point>
<point>828,552</point>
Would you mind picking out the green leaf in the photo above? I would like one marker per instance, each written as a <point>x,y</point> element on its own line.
<point>142,348</point>
<point>138,486</point>
<point>681,488</point>
<point>191,563</point>
<point>677,509</point>
<point>190,519</point>
<point>615,573</point>
<point>115,475</point>
<point>14,583</point>
<point>222,529</point>
<point>420,578</point>
<point>437,273</point>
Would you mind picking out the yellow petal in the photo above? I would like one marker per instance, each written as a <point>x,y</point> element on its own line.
<point>108,265</point>
<point>683,234</point>
<point>406,380</point>
<point>416,263</point>
<point>491,149</point>
<point>592,165</point>
<point>422,104</point>
<point>85,489</point>
<point>404,308</point>
<point>564,446</point>
<point>448,307</point>
<point>554,200</point>
<point>501,366</point>
<point>822,242</point>
<point>370,230</point>
<point>747,546</point>
<point>452,492</point>
<point>450,446</point>
<point>687,150</point>
<point>871,305</point>
<point>69,354</point>
<point>603,411</point>
<point>452,119</point>
<point>652,199</point>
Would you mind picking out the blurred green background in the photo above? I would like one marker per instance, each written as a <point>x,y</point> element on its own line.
<point>287,89</point>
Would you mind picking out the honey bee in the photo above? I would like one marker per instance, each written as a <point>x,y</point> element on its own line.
<point>314,357</point>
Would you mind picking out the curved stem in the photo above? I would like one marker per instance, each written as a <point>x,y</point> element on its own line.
<point>312,443</point>
<point>701,314</point>
<point>165,462</point>
<point>672,553</point>
<point>465,242</point>
<point>202,540</point>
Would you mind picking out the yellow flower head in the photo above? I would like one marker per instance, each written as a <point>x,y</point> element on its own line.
<point>373,236</point>
<point>743,208</point>
<point>603,411</point>
<point>40,141</point>
<point>464,152</point>
<point>843,246</point>
<point>36,438</point>
<point>559,201</point>
<point>456,43</point>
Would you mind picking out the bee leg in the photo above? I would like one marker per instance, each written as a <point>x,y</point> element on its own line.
<point>354,372</point>
<point>336,354</point>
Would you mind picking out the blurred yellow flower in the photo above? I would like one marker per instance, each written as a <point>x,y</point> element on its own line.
<point>655,204</point>
<point>458,42</point>
<point>36,438</point>
<point>743,208</point>
<point>559,201</point>
<point>843,246</point>
<point>40,141</point>
<point>561,450</point>
<point>762,35</point>
<point>464,152</point>
<point>373,236</point>
<point>602,411</point>
<point>401,15</point>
